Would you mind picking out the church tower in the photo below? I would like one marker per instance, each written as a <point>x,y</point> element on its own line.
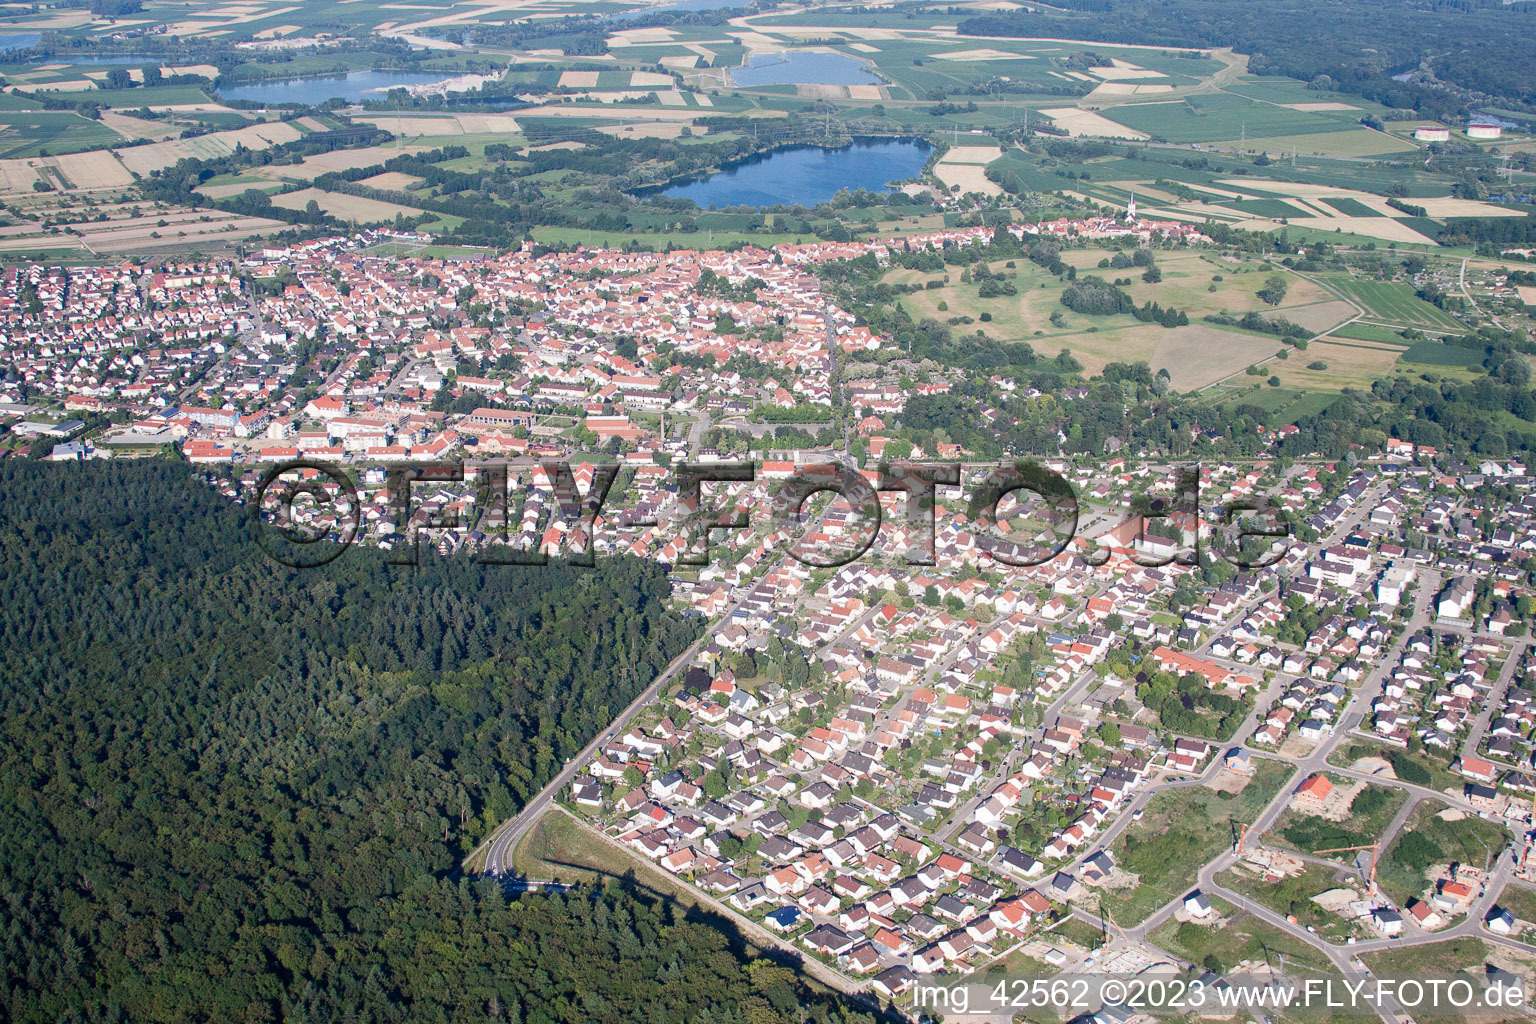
<point>1130,208</point>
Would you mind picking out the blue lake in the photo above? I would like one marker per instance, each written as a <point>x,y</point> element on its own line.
<point>808,175</point>
<point>358,85</point>
<point>19,40</point>
<point>803,67</point>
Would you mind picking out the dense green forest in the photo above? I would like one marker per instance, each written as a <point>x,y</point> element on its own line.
<point>235,791</point>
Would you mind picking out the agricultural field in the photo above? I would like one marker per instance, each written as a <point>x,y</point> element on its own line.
<point>31,133</point>
<point>1394,304</point>
<point>1332,366</point>
<point>356,209</point>
<point>1221,117</point>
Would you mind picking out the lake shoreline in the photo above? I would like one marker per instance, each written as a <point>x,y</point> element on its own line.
<point>921,145</point>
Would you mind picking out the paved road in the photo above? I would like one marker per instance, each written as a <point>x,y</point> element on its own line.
<point>499,845</point>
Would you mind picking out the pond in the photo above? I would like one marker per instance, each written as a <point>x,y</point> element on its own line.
<point>808,175</point>
<point>353,87</point>
<point>803,67</point>
<point>19,40</point>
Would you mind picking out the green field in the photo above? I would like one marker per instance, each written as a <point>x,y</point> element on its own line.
<point>132,99</point>
<point>41,132</point>
<point>1394,302</point>
<point>1280,406</point>
<point>1368,332</point>
<point>1351,207</point>
<point>1221,117</point>
<point>1434,353</point>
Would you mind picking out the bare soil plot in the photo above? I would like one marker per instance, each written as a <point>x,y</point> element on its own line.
<point>1198,355</point>
<point>1319,108</point>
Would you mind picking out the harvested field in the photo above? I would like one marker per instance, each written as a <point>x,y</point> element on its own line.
<point>336,160</point>
<point>137,128</point>
<point>966,166</point>
<point>562,110</point>
<point>350,208</point>
<point>578,79</point>
<point>1318,317</point>
<point>981,54</point>
<point>1438,208</point>
<point>234,189</point>
<point>1129,71</point>
<point>1109,89</point>
<point>91,170</point>
<point>1197,355</point>
<point>1320,107</point>
<point>1086,122</point>
<point>393,181</point>
<point>647,78</point>
<point>644,130</point>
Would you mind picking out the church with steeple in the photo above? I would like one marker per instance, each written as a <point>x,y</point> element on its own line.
<point>1130,209</point>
